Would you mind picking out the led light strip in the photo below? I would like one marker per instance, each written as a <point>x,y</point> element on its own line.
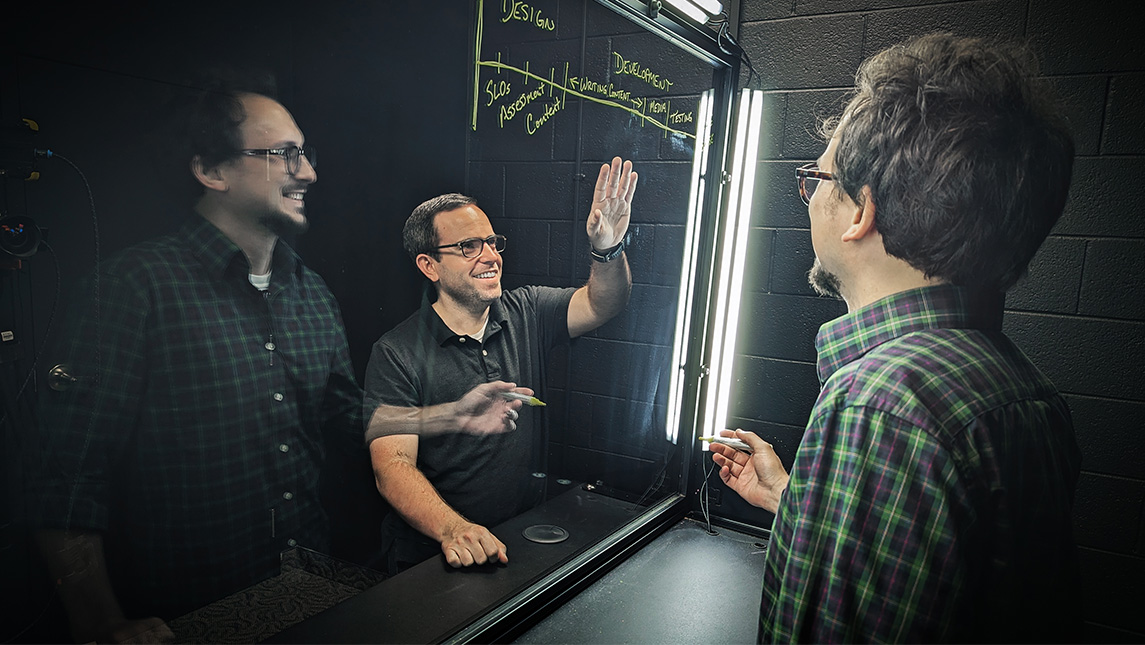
<point>688,267</point>
<point>732,260</point>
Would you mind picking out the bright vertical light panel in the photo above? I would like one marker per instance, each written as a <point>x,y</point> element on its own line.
<point>712,7</point>
<point>732,260</point>
<point>743,227</point>
<point>689,9</point>
<point>688,268</point>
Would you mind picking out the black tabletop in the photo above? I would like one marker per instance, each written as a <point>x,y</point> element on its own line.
<point>431,601</point>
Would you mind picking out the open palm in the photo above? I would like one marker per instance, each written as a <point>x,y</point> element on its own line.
<point>611,204</point>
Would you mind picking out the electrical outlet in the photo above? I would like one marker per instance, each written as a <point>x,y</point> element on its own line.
<point>714,496</point>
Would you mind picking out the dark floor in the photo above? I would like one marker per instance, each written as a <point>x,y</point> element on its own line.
<point>668,592</point>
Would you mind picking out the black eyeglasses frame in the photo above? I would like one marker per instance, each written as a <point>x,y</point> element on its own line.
<point>291,156</point>
<point>495,242</point>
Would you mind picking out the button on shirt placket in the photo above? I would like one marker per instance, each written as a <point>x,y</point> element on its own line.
<point>283,513</point>
<point>486,365</point>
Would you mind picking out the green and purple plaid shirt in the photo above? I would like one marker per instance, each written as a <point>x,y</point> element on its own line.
<point>196,434</point>
<point>930,498</point>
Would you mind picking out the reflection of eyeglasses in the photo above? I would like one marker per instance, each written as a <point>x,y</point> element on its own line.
<point>292,155</point>
<point>474,245</point>
<point>809,177</point>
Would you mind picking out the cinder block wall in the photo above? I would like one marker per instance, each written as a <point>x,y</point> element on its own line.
<point>1080,315</point>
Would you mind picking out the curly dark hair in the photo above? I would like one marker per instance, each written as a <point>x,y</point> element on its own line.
<point>966,153</point>
<point>419,235</point>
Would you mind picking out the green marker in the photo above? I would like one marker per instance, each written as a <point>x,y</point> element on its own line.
<point>528,400</point>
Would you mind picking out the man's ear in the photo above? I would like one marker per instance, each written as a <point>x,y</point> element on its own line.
<point>212,178</point>
<point>863,219</point>
<point>427,266</point>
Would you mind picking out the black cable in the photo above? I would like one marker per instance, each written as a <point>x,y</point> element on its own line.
<point>705,509</point>
<point>37,352</point>
<point>750,69</point>
<point>724,35</point>
<point>658,479</point>
<point>97,376</point>
<point>95,273</point>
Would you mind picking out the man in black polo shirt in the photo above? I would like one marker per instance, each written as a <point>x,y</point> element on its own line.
<point>450,454</point>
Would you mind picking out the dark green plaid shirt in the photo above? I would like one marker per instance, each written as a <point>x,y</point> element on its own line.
<point>194,437</point>
<point>930,497</point>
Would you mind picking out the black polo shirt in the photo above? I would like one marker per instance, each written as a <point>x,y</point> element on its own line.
<point>421,362</point>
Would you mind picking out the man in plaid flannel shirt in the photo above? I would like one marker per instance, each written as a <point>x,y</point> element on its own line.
<point>213,374</point>
<point>930,497</point>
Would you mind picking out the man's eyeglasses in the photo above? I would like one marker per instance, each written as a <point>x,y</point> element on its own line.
<point>809,177</point>
<point>292,155</point>
<point>474,245</point>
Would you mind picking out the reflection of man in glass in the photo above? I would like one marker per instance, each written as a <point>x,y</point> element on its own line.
<point>211,362</point>
<point>435,382</point>
<point>930,498</point>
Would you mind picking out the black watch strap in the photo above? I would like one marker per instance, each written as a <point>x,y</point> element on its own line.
<point>608,255</point>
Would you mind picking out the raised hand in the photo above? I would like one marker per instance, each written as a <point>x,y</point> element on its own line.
<point>611,204</point>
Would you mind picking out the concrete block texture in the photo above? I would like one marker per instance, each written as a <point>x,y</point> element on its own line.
<point>1103,508</point>
<point>1124,130</point>
<point>1111,283</point>
<point>804,52</point>
<point>987,18</point>
<point>1111,586</point>
<point>1109,434</point>
<point>1086,37</point>
<point>1101,202</point>
<point>1081,355</point>
<point>1053,280</point>
<point>1084,100</point>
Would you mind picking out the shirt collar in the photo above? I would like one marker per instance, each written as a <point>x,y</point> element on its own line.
<point>849,337</point>
<point>443,334</point>
<point>218,253</point>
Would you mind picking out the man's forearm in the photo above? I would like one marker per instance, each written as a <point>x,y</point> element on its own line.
<point>425,422</point>
<point>416,500</point>
<point>609,285</point>
<point>76,563</point>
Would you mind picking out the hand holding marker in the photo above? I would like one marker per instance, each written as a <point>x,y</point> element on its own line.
<point>729,441</point>
<point>528,400</point>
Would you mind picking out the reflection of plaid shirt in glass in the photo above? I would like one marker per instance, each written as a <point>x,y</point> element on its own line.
<point>199,447</point>
<point>930,497</point>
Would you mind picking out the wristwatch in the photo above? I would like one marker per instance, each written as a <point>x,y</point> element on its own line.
<point>608,255</point>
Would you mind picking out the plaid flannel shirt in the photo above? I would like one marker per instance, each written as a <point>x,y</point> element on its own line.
<point>930,497</point>
<point>194,436</point>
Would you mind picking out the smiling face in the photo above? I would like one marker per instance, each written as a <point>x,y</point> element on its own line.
<point>259,188</point>
<point>468,283</point>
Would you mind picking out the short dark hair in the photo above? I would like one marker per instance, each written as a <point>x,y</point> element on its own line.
<point>419,234</point>
<point>209,123</point>
<point>966,153</point>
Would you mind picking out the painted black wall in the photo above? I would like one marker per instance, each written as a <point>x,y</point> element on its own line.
<point>1080,315</point>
